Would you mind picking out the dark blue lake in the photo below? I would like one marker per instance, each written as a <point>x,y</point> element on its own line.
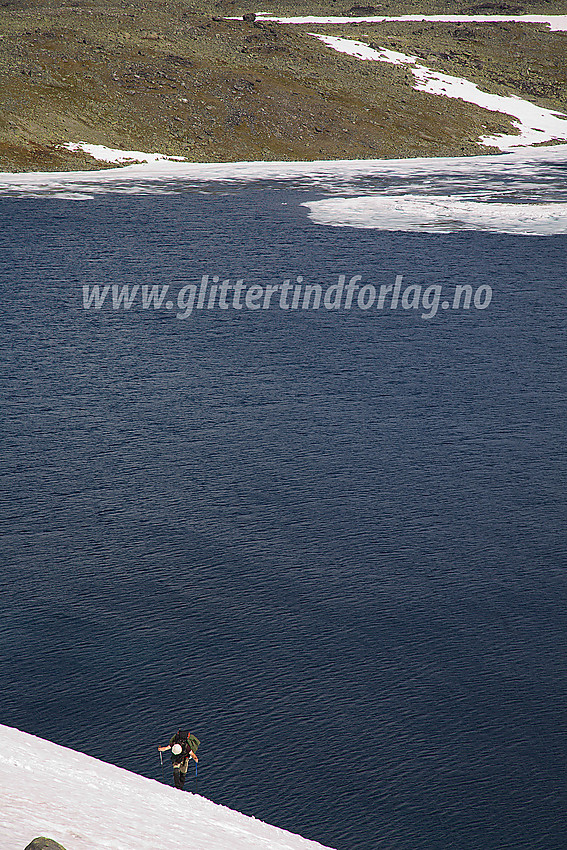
<point>329,542</point>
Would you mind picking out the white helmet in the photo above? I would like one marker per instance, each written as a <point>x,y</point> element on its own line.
<point>177,749</point>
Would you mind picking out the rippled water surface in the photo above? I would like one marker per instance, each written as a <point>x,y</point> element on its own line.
<point>332,543</point>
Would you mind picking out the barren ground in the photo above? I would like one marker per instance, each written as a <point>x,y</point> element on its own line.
<point>180,79</point>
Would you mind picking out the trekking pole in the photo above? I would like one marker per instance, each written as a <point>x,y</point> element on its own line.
<point>195,777</point>
<point>161,762</point>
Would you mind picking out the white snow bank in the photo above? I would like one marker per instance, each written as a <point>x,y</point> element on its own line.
<point>104,154</point>
<point>86,804</point>
<point>556,23</point>
<point>536,125</point>
<point>439,214</point>
<point>361,50</point>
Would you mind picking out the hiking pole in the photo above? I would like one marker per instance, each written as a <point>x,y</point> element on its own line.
<point>195,777</point>
<point>161,762</point>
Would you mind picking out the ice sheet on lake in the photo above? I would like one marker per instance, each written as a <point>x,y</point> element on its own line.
<point>440,214</point>
<point>520,168</point>
<point>429,194</point>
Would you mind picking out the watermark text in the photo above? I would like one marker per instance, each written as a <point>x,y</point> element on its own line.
<point>292,294</point>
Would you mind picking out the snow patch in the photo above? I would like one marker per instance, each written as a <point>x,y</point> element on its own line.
<point>535,124</point>
<point>556,23</point>
<point>360,50</point>
<point>104,154</point>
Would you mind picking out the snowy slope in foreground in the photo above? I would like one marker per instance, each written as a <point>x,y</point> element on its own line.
<point>86,804</point>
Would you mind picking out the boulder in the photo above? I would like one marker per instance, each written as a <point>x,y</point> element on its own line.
<point>363,10</point>
<point>43,843</point>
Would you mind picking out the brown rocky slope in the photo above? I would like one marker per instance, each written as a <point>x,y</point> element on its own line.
<point>183,79</point>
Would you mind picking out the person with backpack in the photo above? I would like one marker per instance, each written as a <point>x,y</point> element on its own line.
<point>183,746</point>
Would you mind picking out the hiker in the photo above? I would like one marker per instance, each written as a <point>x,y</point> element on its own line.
<point>183,746</point>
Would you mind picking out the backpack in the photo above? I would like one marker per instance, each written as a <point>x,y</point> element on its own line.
<point>187,740</point>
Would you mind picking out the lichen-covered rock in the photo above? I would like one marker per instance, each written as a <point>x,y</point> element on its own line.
<point>43,843</point>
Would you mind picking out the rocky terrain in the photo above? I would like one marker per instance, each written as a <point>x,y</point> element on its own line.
<point>182,79</point>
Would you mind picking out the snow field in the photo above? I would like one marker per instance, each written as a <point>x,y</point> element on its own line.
<point>556,23</point>
<point>86,804</point>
